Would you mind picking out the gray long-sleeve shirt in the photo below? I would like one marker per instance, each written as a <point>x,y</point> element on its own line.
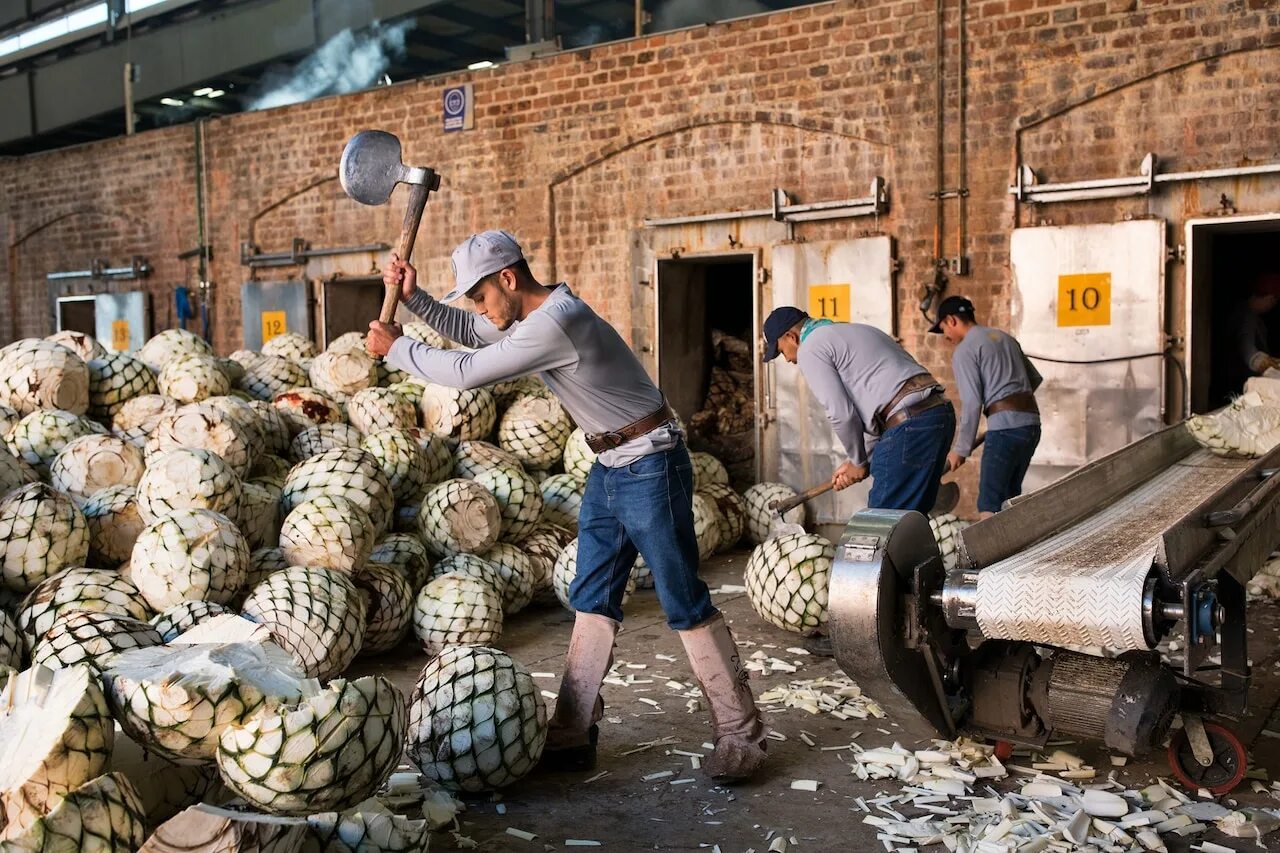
<point>583,360</point>
<point>989,365</point>
<point>855,370</point>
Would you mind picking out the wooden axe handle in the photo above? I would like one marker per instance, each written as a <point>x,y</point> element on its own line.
<point>788,504</point>
<point>404,247</point>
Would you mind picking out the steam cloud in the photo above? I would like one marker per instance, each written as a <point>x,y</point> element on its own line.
<point>348,62</point>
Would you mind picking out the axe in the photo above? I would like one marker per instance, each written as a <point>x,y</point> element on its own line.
<point>369,171</point>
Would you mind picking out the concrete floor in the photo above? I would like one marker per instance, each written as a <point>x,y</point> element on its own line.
<point>623,812</point>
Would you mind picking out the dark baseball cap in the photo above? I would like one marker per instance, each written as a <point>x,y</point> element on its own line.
<point>778,323</point>
<point>953,306</point>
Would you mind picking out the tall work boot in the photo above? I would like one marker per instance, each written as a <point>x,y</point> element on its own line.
<point>571,737</point>
<point>739,730</point>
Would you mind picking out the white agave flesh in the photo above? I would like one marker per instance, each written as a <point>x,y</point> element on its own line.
<point>177,700</point>
<point>104,815</point>
<point>55,734</point>
<point>369,828</point>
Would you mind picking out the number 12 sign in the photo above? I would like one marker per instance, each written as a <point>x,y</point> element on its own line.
<point>829,302</point>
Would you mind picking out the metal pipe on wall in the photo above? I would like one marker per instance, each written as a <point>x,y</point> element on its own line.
<point>201,227</point>
<point>962,169</point>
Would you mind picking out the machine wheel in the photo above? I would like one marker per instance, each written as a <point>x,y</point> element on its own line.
<point>1230,760</point>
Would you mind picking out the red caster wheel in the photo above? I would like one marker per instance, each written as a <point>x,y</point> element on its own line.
<point>1004,750</point>
<point>1230,759</point>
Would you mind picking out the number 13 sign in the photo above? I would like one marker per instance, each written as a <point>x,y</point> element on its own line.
<point>830,302</point>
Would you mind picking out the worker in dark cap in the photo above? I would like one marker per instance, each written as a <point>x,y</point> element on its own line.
<point>996,379</point>
<point>888,412</point>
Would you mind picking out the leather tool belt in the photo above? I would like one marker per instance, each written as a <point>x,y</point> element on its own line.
<point>602,441</point>
<point>1019,401</point>
<point>919,382</point>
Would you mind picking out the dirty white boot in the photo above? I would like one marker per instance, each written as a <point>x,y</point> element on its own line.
<point>571,736</point>
<point>739,730</point>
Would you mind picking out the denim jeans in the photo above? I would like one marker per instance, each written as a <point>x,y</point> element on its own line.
<point>1006,455</point>
<point>908,462</point>
<point>644,507</point>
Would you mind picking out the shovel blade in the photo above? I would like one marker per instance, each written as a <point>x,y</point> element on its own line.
<point>370,167</point>
<point>947,500</point>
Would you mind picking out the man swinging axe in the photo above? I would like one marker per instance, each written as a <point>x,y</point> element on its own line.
<point>639,492</point>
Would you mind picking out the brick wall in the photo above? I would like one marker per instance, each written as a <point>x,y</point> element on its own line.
<point>572,152</point>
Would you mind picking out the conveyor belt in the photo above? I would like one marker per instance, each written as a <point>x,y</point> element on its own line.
<point>1083,586</point>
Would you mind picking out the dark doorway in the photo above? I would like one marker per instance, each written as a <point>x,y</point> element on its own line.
<point>1226,260</point>
<point>78,314</point>
<point>706,355</point>
<point>349,305</point>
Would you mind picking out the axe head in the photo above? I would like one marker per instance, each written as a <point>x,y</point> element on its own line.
<point>371,167</point>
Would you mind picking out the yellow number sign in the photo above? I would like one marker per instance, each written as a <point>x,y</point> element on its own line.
<point>273,323</point>
<point>120,335</point>
<point>829,301</point>
<point>1084,299</point>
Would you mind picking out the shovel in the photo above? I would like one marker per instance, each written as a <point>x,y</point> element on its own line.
<point>369,171</point>
<point>946,501</point>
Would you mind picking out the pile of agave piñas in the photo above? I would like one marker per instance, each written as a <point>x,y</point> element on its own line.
<point>194,549</point>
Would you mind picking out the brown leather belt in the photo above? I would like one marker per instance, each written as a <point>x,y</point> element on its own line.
<point>1019,401</point>
<point>602,441</point>
<point>919,382</point>
<point>930,402</point>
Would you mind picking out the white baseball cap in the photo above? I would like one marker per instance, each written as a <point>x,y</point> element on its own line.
<point>480,255</point>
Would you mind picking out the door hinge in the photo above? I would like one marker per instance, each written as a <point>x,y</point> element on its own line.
<point>762,275</point>
<point>1178,254</point>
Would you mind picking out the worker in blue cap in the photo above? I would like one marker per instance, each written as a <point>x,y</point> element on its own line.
<point>996,379</point>
<point>891,416</point>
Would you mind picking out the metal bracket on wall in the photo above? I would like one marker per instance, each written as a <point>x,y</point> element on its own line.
<point>1025,188</point>
<point>138,268</point>
<point>783,210</point>
<point>252,257</point>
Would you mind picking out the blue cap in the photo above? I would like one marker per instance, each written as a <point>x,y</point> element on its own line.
<point>480,255</point>
<point>778,323</point>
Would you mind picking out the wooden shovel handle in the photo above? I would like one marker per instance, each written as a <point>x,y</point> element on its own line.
<point>404,247</point>
<point>786,505</point>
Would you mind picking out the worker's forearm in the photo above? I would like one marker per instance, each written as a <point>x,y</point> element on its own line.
<point>455,324</point>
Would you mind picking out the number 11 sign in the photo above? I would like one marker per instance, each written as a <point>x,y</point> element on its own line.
<point>829,302</point>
